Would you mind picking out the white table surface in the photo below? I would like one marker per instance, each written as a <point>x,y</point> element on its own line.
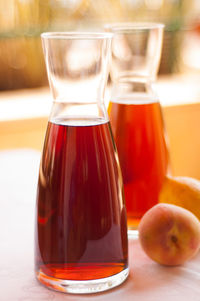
<point>147,281</point>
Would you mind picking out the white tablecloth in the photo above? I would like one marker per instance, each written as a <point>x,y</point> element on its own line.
<point>147,281</point>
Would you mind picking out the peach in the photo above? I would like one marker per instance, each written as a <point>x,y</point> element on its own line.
<point>169,234</point>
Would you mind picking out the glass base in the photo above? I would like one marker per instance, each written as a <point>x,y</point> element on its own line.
<point>133,224</point>
<point>133,234</point>
<point>85,286</point>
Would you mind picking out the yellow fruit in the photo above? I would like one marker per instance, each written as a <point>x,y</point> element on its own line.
<point>183,192</point>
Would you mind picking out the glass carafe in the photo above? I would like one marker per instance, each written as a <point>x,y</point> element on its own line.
<point>81,225</point>
<point>136,116</point>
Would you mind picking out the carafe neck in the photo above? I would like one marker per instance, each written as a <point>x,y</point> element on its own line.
<point>131,89</point>
<point>89,112</point>
<point>77,66</point>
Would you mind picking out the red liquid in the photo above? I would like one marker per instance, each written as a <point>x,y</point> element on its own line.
<point>81,217</point>
<point>140,139</point>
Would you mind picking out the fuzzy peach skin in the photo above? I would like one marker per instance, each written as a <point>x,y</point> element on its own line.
<point>169,234</point>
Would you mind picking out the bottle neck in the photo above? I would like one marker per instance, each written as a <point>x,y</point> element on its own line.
<point>133,90</point>
<point>78,111</point>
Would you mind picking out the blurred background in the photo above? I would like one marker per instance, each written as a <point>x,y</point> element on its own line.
<point>22,21</point>
<point>23,77</point>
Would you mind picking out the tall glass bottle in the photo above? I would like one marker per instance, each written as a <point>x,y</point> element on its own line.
<point>136,116</point>
<point>80,239</point>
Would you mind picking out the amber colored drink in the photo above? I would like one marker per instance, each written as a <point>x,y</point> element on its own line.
<point>81,220</point>
<point>140,139</point>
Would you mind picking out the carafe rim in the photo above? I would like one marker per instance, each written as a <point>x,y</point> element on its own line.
<point>76,35</point>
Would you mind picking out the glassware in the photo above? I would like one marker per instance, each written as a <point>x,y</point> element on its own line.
<point>136,116</point>
<point>81,224</point>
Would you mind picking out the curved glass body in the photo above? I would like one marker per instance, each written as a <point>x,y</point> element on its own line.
<point>80,238</point>
<point>140,139</point>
